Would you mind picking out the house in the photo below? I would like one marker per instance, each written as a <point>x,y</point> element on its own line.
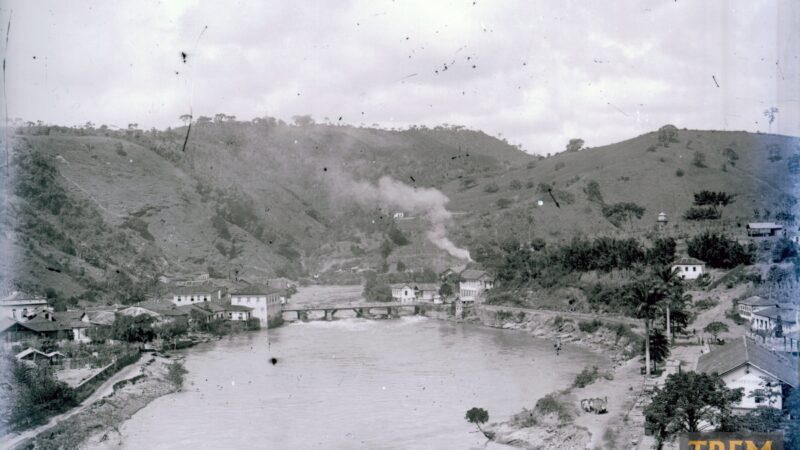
<point>428,292</point>
<point>403,293</point>
<point>264,301</point>
<point>17,306</point>
<point>748,306</point>
<point>398,215</point>
<point>473,284</point>
<point>767,318</point>
<point>759,372</point>
<point>689,268</point>
<point>205,292</point>
<point>758,229</point>
<point>221,311</point>
<point>46,327</point>
<point>101,318</point>
<point>163,311</point>
<point>32,356</point>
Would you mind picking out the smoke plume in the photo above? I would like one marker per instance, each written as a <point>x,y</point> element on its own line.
<point>423,202</point>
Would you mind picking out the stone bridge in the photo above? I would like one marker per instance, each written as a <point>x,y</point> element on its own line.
<point>366,310</point>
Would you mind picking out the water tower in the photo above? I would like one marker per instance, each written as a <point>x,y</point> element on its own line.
<point>662,221</point>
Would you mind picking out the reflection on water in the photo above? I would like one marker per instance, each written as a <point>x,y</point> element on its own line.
<point>353,383</point>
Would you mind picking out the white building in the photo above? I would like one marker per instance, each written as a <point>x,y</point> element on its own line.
<point>473,284</point>
<point>187,295</point>
<point>748,306</point>
<point>265,302</point>
<point>18,306</point>
<point>403,293</point>
<point>759,372</point>
<point>758,229</point>
<point>689,268</point>
<point>767,318</point>
<point>428,292</point>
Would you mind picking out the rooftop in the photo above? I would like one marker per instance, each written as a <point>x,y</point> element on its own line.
<point>688,261</point>
<point>738,352</point>
<point>786,315</point>
<point>764,226</point>
<point>473,274</point>
<point>757,301</point>
<point>255,289</point>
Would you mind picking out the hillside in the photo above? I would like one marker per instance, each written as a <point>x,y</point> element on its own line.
<point>95,209</point>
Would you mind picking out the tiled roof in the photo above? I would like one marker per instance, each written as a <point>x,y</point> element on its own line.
<point>757,301</point>
<point>734,354</point>
<point>255,289</point>
<point>202,289</point>
<point>787,315</point>
<point>473,274</point>
<point>764,226</point>
<point>400,285</point>
<point>688,261</point>
<point>44,325</point>
<point>428,286</point>
<point>102,317</point>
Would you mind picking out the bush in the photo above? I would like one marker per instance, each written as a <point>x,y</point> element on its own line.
<point>784,248</point>
<point>666,134</point>
<point>793,164</point>
<point>35,395</point>
<point>699,160</point>
<point>586,377</point>
<point>491,188</point>
<point>560,165</point>
<point>175,374</point>
<point>504,203</point>
<point>590,327</point>
<point>515,185</point>
<point>550,404</point>
<point>679,173</point>
<point>530,165</point>
<point>695,213</point>
<point>718,251</point>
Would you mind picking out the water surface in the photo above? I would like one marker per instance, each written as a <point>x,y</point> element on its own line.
<point>353,383</point>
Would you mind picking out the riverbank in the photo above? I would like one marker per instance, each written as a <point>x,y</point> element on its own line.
<point>96,425</point>
<point>557,420</point>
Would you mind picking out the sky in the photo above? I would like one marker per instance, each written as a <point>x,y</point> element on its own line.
<point>535,73</point>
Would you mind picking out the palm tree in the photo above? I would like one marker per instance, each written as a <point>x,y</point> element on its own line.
<point>646,295</point>
<point>673,292</point>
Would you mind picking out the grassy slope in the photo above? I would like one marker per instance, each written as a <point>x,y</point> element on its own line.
<point>281,172</point>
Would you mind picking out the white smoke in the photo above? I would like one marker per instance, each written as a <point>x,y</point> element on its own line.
<point>425,202</point>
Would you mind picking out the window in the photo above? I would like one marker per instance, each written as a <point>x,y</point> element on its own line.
<point>694,269</point>
<point>14,313</point>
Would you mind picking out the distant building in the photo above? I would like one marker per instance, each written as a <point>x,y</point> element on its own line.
<point>766,319</point>
<point>748,306</point>
<point>186,295</point>
<point>758,229</point>
<point>689,268</point>
<point>163,311</point>
<point>264,301</point>
<point>428,292</point>
<point>18,306</point>
<point>398,215</point>
<point>403,293</point>
<point>795,238</point>
<point>473,284</point>
<point>759,372</point>
<point>222,311</point>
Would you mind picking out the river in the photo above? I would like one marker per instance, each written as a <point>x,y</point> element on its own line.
<point>353,383</point>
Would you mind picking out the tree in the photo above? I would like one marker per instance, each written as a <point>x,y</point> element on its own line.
<point>491,188</point>
<point>624,211</point>
<point>575,145</point>
<point>479,416</point>
<point>446,290</point>
<point>715,328</point>
<point>175,373</point>
<point>783,249</point>
<point>34,394</point>
<point>593,193</point>
<point>674,299</point>
<point>401,266</point>
<point>185,117</point>
<point>133,328</point>
<point>504,203</point>
<point>718,251</point>
<point>302,121</point>
<point>645,295</point>
<point>377,290</point>
<point>687,400</point>
<point>666,134</point>
<point>699,160</point>
<point>659,347</point>
<point>386,249</point>
<point>778,327</point>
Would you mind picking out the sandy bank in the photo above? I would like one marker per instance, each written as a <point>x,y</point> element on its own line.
<point>97,425</point>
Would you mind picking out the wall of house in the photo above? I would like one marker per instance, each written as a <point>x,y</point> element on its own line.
<point>188,299</point>
<point>689,272</point>
<point>404,295</point>
<point>740,378</point>
<point>264,306</point>
<point>470,291</point>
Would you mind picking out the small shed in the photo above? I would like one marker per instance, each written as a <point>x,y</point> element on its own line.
<point>758,229</point>
<point>689,268</point>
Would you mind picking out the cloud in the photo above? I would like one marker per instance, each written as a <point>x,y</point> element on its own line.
<point>539,74</point>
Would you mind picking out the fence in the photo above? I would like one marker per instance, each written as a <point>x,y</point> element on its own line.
<point>86,388</point>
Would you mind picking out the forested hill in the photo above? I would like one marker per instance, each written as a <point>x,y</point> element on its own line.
<point>95,211</point>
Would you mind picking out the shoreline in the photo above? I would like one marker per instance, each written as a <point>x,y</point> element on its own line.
<point>98,425</point>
